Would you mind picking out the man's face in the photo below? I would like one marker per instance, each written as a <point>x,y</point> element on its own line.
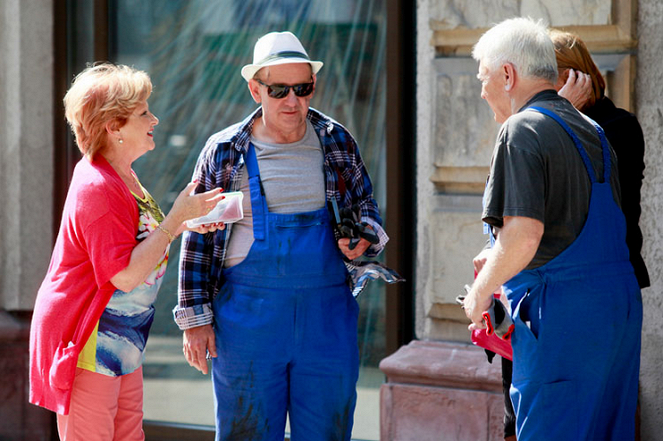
<point>493,91</point>
<point>283,116</point>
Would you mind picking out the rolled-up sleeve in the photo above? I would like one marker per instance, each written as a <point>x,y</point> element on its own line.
<point>194,305</point>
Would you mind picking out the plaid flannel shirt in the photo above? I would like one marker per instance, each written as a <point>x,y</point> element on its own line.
<point>221,164</point>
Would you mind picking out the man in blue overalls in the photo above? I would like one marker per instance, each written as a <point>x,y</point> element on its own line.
<point>268,297</point>
<point>560,255</point>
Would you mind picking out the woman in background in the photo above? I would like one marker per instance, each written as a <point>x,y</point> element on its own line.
<point>621,128</point>
<point>95,306</point>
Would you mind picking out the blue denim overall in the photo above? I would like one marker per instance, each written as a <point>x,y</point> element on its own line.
<point>286,331</point>
<point>576,346</point>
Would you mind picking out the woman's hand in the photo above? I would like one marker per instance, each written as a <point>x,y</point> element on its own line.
<point>190,206</point>
<point>480,259</point>
<point>577,89</point>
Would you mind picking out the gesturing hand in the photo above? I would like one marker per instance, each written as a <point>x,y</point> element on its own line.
<point>190,206</point>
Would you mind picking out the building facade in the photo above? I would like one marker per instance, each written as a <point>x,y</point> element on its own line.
<point>455,136</point>
<point>434,113</point>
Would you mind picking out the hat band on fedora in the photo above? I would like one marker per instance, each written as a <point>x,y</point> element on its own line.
<point>285,54</point>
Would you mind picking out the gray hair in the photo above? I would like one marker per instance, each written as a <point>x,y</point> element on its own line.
<point>524,43</point>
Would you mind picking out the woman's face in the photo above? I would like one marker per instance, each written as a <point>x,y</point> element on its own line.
<point>137,131</point>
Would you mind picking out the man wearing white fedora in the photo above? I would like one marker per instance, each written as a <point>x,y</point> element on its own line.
<point>269,298</point>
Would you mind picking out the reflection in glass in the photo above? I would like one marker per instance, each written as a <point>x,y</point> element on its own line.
<point>193,50</point>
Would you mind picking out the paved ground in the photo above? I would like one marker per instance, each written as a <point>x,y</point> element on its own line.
<point>175,392</point>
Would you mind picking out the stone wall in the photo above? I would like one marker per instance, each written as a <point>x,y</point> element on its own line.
<point>455,133</point>
<point>649,109</point>
<point>26,149</point>
<point>26,198</point>
<point>482,13</point>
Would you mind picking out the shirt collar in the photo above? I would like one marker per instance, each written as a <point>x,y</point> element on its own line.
<point>243,135</point>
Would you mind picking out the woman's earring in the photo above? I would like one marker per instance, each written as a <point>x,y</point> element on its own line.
<point>120,141</point>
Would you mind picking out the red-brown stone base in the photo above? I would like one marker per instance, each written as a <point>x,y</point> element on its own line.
<point>441,391</point>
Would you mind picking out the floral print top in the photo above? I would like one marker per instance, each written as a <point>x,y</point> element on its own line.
<point>116,346</point>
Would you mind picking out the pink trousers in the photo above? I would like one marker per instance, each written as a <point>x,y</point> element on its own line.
<point>104,408</point>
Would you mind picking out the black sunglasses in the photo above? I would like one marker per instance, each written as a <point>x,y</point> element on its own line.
<point>279,91</point>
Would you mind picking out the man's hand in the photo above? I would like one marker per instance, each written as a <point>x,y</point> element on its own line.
<point>344,245</point>
<point>474,307</point>
<point>196,344</point>
<point>208,228</point>
<point>514,248</point>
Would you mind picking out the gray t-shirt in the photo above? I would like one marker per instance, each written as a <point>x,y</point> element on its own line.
<point>293,178</point>
<point>537,172</point>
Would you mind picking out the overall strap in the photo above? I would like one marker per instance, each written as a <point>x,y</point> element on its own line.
<point>607,163</point>
<point>258,200</point>
<point>487,229</point>
<point>581,149</point>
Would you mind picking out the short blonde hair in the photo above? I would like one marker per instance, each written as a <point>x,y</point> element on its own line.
<point>572,53</point>
<point>100,94</point>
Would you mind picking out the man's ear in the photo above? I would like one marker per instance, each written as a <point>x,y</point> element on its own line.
<point>315,81</point>
<point>254,88</point>
<point>509,74</point>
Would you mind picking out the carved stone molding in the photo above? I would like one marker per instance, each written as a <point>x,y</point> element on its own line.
<point>463,130</point>
<point>599,39</point>
<point>609,32</point>
<point>613,33</point>
<point>459,179</point>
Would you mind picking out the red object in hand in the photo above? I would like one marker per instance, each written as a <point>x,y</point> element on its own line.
<point>487,339</point>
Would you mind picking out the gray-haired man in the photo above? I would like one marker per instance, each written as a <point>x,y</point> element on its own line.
<point>560,253</point>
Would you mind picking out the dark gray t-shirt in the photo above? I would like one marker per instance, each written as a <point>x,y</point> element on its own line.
<point>537,172</point>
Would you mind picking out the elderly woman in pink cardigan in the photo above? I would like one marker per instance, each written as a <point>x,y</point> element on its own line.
<point>95,306</point>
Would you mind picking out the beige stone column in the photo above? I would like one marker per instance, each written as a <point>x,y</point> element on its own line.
<point>26,199</point>
<point>649,109</point>
<point>26,149</point>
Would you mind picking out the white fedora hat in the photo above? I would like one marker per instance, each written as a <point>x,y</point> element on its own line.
<point>278,48</point>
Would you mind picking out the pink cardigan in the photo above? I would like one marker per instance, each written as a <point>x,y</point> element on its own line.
<point>96,238</point>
